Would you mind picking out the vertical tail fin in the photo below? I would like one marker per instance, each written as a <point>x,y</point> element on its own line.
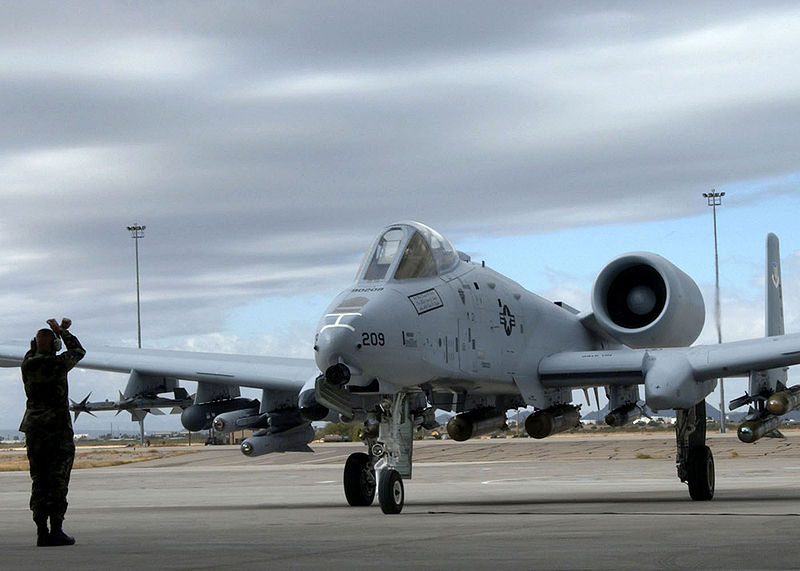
<point>772,380</point>
<point>774,306</point>
<point>774,288</point>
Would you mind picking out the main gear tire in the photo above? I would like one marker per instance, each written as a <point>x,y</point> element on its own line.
<point>359,480</point>
<point>700,473</point>
<point>391,494</point>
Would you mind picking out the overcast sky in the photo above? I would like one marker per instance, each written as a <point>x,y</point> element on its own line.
<point>264,144</point>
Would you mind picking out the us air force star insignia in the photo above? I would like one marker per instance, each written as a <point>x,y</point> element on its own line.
<point>508,320</point>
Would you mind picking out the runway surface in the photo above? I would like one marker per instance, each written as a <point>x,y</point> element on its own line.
<point>561,503</point>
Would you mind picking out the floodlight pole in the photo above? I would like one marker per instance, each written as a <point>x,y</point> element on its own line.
<point>715,199</point>
<point>137,232</point>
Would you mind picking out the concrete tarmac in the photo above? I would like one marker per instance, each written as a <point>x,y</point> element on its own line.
<point>562,503</point>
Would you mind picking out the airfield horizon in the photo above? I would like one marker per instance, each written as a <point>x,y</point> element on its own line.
<point>575,447</point>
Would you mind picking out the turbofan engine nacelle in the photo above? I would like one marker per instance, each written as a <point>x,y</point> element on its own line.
<point>643,300</point>
<point>200,416</point>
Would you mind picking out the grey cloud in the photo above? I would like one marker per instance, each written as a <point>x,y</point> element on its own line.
<point>264,144</point>
<point>271,141</point>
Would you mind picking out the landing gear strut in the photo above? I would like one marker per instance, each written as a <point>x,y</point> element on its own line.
<point>388,434</point>
<point>393,451</point>
<point>694,459</point>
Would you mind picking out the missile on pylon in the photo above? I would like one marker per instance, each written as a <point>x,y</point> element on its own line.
<point>200,416</point>
<point>475,422</point>
<point>623,415</point>
<point>240,419</point>
<point>784,401</point>
<point>295,439</point>
<point>752,430</point>
<point>544,423</point>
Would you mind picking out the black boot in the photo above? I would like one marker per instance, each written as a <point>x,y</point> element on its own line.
<point>42,533</point>
<point>57,535</point>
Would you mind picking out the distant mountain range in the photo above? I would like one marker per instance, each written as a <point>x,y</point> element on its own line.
<point>711,412</point>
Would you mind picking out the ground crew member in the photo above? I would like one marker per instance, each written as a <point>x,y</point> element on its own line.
<point>48,427</point>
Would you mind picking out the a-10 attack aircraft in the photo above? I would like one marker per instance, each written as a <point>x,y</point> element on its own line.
<point>423,327</point>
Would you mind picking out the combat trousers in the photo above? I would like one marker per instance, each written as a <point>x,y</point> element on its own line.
<point>50,456</point>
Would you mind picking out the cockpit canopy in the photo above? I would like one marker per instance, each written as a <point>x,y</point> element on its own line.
<point>408,250</point>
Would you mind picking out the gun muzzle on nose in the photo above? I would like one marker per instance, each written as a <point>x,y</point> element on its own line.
<point>337,374</point>
<point>334,345</point>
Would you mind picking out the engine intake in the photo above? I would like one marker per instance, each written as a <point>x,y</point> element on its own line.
<point>643,300</point>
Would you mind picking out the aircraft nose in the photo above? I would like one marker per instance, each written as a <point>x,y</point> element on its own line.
<point>335,343</point>
<point>363,334</point>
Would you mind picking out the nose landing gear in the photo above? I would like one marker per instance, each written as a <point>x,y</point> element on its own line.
<point>388,460</point>
<point>359,480</point>
<point>391,493</point>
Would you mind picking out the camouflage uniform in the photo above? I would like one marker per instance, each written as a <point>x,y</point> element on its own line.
<point>48,427</point>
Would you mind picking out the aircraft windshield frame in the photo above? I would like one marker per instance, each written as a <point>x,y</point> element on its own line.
<point>383,254</point>
<point>425,253</point>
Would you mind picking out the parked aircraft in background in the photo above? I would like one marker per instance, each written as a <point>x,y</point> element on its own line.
<point>424,327</point>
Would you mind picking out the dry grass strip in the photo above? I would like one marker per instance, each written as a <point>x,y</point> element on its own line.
<point>18,461</point>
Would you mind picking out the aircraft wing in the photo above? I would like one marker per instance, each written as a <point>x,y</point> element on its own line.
<point>630,366</point>
<point>672,376</point>
<point>276,373</point>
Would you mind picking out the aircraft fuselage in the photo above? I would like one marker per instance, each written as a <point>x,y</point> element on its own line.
<point>470,327</point>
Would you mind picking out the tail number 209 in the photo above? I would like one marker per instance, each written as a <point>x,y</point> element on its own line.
<point>373,339</point>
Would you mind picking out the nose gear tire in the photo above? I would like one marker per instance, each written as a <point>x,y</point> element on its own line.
<point>359,480</point>
<point>390,492</point>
